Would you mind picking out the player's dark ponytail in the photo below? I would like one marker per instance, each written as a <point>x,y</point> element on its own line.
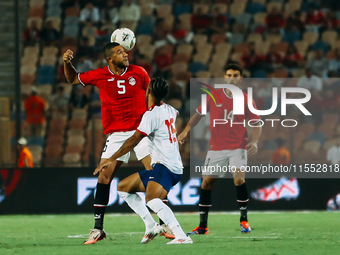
<point>159,88</point>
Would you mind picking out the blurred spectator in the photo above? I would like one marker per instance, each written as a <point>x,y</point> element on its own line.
<point>90,15</point>
<point>292,59</point>
<point>200,22</point>
<point>310,81</point>
<point>315,17</point>
<point>331,22</point>
<point>35,113</point>
<point>333,153</point>
<point>100,61</point>
<point>330,100</point>
<point>175,90</point>
<point>273,58</point>
<point>161,31</point>
<point>180,34</point>
<point>109,14</point>
<point>251,60</point>
<point>163,61</point>
<point>95,103</point>
<point>25,157</point>
<point>144,62</point>
<point>68,3</point>
<point>31,33</point>
<point>275,21</point>
<point>78,100</point>
<point>86,49</point>
<point>319,65</point>
<point>282,155</point>
<point>84,64</point>
<point>294,21</point>
<point>334,64</point>
<point>49,35</point>
<point>59,101</point>
<point>129,15</point>
<point>218,23</point>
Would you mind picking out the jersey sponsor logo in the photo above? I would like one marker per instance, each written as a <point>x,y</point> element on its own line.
<point>111,79</point>
<point>132,81</point>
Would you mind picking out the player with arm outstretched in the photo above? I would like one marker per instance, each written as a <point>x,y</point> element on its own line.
<point>122,90</point>
<point>158,125</point>
<point>228,147</point>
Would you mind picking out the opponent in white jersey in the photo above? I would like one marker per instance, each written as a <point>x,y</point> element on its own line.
<point>158,124</point>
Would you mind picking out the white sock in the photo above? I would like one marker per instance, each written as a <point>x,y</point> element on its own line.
<point>167,216</point>
<point>136,204</point>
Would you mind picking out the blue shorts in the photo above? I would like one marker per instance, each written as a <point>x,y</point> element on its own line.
<point>160,174</point>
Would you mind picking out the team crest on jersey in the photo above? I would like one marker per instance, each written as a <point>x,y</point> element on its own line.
<point>132,81</point>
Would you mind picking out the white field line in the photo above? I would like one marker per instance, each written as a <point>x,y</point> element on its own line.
<point>111,234</point>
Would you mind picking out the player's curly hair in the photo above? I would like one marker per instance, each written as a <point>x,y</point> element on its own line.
<point>159,88</point>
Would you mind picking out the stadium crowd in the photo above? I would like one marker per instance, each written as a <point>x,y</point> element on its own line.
<point>179,40</point>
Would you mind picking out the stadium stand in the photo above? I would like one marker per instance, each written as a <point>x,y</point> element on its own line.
<point>69,136</point>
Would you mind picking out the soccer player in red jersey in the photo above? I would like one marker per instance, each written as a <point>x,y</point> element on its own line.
<point>122,89</point>
<point>228,146</point>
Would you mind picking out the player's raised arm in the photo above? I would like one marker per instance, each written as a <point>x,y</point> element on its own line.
<point>69,70</point>
<point>252,146</point>
<point>191,123</point>
<point>127,146</point>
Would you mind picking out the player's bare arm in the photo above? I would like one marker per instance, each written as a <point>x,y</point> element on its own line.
<point>69,70</point>
<point>127,146</point>
<point>191,123</point>
<point>252,147</point>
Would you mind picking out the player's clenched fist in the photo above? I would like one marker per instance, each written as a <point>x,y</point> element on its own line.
<point>68,56</point>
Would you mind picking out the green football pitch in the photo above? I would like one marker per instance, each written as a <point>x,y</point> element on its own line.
<point>273,233</point>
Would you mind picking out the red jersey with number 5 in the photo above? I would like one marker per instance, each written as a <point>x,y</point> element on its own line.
<point>224,135</point>
<point>122,96</point>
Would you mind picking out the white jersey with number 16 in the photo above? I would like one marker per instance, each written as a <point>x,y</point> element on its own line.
<point>158,124</point>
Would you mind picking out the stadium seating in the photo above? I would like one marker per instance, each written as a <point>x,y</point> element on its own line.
<point>204,57</point>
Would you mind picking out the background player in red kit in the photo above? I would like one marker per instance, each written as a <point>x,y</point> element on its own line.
<point>228,146</point>
<point>122,89</point>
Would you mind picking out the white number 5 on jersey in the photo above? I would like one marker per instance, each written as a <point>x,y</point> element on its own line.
<point>121,86</point>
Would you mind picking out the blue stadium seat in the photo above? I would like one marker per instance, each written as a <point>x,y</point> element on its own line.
<point>197,66</point>
<point>320,45</point>
<point>260,73</point>
<point>236,39</point>
<point>71,30</point>
<point>46,70</point>
<point>166,2</point>
<point>243,19</point>
<point>71,20</point>
<point>317,136</point>
<point>254,8</point>
<point>54,2</point>
<point>146,25</point>
<point>35,140</point>
<point>269,145</point>
<point>54,11</point>
<point>182,9</point>
<point>292,36</point>
<point>45,75</point>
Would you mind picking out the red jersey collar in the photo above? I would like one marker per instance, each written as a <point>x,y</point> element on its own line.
<point>108,68</point>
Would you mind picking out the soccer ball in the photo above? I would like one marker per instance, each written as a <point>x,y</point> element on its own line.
<point>125,37</point>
